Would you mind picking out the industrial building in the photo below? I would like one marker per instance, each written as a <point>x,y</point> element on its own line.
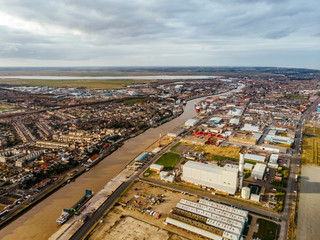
<point>254,157</point>
<point>194,140</point>
<point>274,158</point>
<point>210,219</point>
<point>278,139</point>
<point>234,121</point>
<point>235,112</point>
<point>250,128</point>
<point>156,167</point>
<point>176,132</point>
<point>191,122</point>
<point>258,171</point>
<point>223,179</point>
<point>215,120</point>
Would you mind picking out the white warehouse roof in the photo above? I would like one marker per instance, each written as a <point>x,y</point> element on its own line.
<point>156,167</point>
<point>248,166</point>
<point>250,128</point>
<point>234,121</point>
<point>235,112</point>
<point>274,158</point>
<point>254,157</point>
<point>258,171</point>
<point>215,119</point>
<point>191,122</point>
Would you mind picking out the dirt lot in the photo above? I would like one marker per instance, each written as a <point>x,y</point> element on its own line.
<point>135,229</point>
<point>184,148</point>
<point>232,152</point>
<point>137,222</point>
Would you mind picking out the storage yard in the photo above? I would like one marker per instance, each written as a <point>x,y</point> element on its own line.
<point>138,203</point>
<point>146,212</point>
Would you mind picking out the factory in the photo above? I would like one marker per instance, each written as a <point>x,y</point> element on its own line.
<point>258,171</point>
<point>191,122</point>
<point>223,179</point>
<point>254,157</point>
<point>209,219</point>
<point>176,132</point>
<point>278,139</point>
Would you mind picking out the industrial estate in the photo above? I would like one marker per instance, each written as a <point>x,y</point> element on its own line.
<point>230,171</point>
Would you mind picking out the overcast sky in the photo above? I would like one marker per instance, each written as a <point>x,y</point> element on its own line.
<point>160,33</point>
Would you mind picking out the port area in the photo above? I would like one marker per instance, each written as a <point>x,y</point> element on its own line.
<point>75,222</point>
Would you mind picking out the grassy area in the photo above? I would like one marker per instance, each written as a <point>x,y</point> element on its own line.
<point>283,134</point>
<point>267,230</point>
<point>147,173</point>
<point>296,96</point>
<point>310,144</point>
<point>220,158</point>
<point>247,174</point>
<point>5,107</point>
<point>176,145</point>
<point>134,100</point>
<point>168,160</point>
<point>231,152</point>
<point>284,145</point>
<point>251,162</point>
<point>86,83</point>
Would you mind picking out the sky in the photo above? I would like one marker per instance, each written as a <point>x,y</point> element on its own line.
<point>280,33</point>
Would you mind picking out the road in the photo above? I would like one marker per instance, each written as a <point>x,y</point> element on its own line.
<point>294,170</point>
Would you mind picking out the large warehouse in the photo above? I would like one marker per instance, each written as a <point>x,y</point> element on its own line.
<point>192,122</point>
<point>210,219</point>
<point>223,179</point>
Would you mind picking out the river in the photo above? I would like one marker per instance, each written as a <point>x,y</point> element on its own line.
<point>40,222</point>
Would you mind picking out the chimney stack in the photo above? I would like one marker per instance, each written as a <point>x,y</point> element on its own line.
<point>241,169</point>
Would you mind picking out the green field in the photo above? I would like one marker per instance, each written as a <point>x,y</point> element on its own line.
<point>86,83</point>
<point>310,144</point>
<point>220,158</point>
<point>5,107</point>
<point>267,230</point>
<point>168,160</point>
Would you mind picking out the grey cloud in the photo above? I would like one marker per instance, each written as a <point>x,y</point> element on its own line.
<point>139,29</point>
